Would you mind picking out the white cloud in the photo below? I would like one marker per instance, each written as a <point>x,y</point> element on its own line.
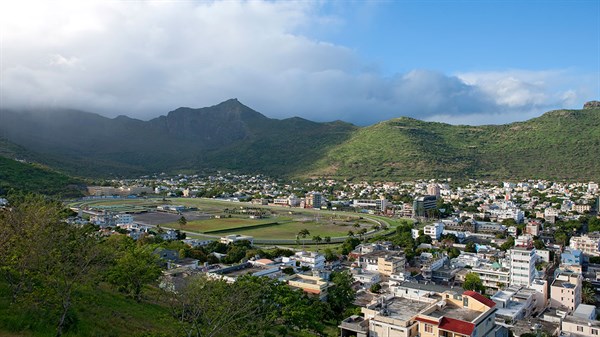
<point>146,58</point>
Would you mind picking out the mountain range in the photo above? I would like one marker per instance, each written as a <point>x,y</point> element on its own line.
<point>562,144</point>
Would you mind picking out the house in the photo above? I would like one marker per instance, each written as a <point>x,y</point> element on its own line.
<point>565,291</point>
<point>451,314</point>
<point>574,326</point>
<point>235,238</point>
<point>314,285</point>
<point>311,260</point>
<point>231,273</point>
<point>589,244</point>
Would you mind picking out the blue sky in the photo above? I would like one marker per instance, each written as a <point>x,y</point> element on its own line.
<point>459,36</point>
<point>461,62</point>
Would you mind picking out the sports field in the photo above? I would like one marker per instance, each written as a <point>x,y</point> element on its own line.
<point>280,222</point>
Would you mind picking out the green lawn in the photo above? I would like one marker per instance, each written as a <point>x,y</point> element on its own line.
<point>290,229</point>
<point>202,226</point>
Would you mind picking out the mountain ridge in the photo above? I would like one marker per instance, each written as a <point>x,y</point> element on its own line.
<point>231,136</point>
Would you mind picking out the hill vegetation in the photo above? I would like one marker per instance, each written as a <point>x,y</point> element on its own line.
<point>231,136</point>
<point>558,145</point>
<point>22,176</point>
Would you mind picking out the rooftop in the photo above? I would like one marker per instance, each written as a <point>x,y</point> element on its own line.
<point>563,283</point>
<point>459,313</point>
<point>401,308</point>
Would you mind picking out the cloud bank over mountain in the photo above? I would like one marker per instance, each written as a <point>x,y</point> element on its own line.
<point>146,58</point>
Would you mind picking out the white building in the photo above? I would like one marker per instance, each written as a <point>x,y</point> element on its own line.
<point>306,259</point>
<point>379,204</point>
<point>236,237</point>
<point>522,266</point>
<point>434,230</point>
<point>124,219</point>
<point>589,244</point>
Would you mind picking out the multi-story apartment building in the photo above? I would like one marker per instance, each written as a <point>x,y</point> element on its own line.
<point>565,291</point>
<point>493,276</point>
<point>445,315</point>
<point>434,231</point>
<point>312,260</point>
<point>589,244</point>
<point>385,262</point>
<point>469,314</point>
<point>522,266</point>
<point>313,200</point>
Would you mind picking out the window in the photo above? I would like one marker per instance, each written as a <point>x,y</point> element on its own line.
<point>580,329</point>
<point>428,328</point>
<point>594,331</point>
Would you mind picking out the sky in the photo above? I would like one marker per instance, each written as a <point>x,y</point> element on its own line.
<point>458,62</point>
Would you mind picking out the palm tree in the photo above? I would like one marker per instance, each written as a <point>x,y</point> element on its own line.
<point>317,239</point>
<point>327,239</point>
<point>303,234</point>
<point>588,296</point>
<point>351,234</point>
<point>361,233</point>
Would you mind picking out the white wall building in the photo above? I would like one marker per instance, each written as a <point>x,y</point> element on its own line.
<point>434,231</point>
<point>522,266</point>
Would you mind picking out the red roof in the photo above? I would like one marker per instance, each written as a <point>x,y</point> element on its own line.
<point>478,297</point>
<point>456,325</point>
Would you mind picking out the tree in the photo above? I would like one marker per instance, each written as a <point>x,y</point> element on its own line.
<point>45,260</point>
<point>424,239</point>
<point>341,295</point>
<point>317,239</point>
<point>134,267</point>
<point>375,288</point>
<point>210,308</point>
<point>510,242</point>
<point>588,295</point>
<point>473,282</point>
<point>350,234</point>
<point>327,239</point>
<point>361,233</point>
<point>182,221</point>
<point>470,247</point>
<point>303,234</point>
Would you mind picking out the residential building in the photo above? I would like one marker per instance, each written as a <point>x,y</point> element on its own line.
<point>589,244</point>
<point>314,285</point>
<point>235,238</point>
<point>386,262</point>
<point>515,303</point>
<point>231,273</point>
<point>434,231</point>
<point>366,277</point>
<point>585,311</point>
<point>469,314</point>
<point>313,200</point>
<point>522,266</point>
<point>565,291</point>
<point>573,326</point>
<point>493,276</point>
<point>433,189</point>
<point>312,260</point>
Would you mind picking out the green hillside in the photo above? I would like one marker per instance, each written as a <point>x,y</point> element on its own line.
<point>558,145</point>
<point>231,136</point>
<point>15,175</point>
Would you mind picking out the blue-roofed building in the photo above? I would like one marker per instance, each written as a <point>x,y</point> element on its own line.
<point>571,257</point>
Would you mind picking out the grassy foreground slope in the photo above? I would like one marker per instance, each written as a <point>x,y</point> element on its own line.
<point>558,145</point>
<point>103,313</point>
